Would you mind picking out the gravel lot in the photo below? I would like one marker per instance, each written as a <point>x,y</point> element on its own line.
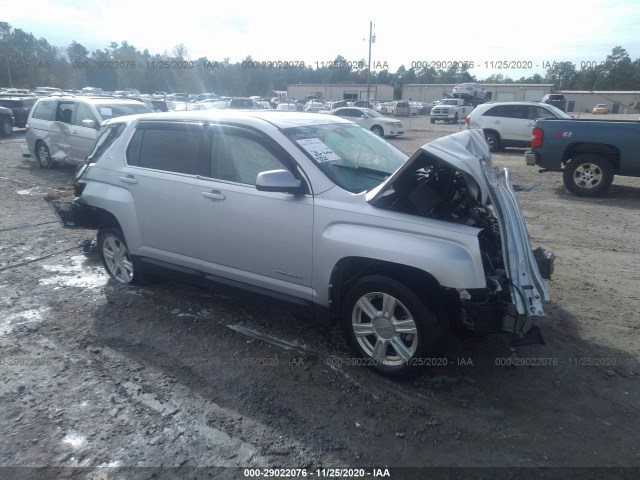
<point>98,375</point>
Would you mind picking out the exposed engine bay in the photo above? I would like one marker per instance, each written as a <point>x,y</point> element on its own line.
<point>437,190</point>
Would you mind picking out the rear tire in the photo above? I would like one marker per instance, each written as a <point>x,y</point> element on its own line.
<point>391,328</point>
<point>588,175</point>
<point>116,258</point>
<point>7,128</point>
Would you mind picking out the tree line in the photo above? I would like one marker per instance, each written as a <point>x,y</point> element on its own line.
<point>28,62</point>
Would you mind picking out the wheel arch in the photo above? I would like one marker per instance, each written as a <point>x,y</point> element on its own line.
<point>349,270</point>
<point>493,131</point>
<point>609,152</point>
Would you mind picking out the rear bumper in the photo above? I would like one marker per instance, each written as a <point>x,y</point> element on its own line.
<point>75,215</point>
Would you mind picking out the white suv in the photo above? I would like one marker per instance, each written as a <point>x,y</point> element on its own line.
<point>320,213</point>
<point>510,124</point>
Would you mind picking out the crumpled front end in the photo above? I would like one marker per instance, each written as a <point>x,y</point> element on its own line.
<point>452,179</point>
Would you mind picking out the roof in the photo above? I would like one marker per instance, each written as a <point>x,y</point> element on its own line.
<point>281,119</point>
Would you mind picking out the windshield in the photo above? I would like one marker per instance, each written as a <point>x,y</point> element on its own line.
<point>351,156</point>
<point>120,110</point>
<point>450,102</point>
<point>371,112</point>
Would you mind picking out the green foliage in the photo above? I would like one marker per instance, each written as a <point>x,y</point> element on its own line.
<point>28,62</point>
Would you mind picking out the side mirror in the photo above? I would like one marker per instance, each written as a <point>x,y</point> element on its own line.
<point>363,116</point>
<point>89,123</point>
<point>278,181</point>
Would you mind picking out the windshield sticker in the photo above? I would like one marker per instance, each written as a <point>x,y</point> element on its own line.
<point>318,150</point>
<point>106,111</point>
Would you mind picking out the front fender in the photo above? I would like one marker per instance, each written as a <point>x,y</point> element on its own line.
<point>453,263</point>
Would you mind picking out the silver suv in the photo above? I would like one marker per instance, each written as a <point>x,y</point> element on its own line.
<point>510,124</point>
<point>64,129</point>
<point>319,213</point>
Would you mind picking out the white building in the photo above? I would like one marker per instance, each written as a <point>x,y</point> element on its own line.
<point>340,91</point>
<point>498,92</point>
<point>617,102</point>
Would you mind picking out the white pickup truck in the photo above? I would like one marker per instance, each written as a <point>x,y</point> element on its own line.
<point>450,110</point>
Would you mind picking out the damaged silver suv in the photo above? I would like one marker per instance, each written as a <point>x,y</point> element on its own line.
<point>319,213</point>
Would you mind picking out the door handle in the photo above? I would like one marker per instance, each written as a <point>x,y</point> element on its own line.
<point>75,132</point>
<point>129,179</point>
<point>214,195</point>
<point>497,121</point>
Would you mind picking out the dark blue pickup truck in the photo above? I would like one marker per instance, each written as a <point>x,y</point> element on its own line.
<point>588,152</point>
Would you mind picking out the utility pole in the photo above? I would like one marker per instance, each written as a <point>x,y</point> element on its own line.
<point>372,39</point>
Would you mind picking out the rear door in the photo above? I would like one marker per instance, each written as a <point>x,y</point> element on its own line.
<point>165,165</point>
<point>510,121</point>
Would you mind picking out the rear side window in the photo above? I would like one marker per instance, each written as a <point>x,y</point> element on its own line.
<point>173,147</point>
<point>45,110</point>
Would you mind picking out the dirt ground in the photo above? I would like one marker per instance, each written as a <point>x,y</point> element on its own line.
<point>169,375</point>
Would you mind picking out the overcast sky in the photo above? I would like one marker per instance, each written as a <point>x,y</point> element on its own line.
<point>479,31</point>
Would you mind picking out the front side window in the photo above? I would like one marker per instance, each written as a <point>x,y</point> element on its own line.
<point>239,156</point>
<point>84,113</point>
<point>173,147</point>
<point>351,156</point>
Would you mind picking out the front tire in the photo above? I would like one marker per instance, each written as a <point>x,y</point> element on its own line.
<point>43,155</point>
<point>377,129</point>
<point>7,128</point>
<point>493,141</point>
<point>389,327</point>
<point>116,258</point>
<point>588,175</point>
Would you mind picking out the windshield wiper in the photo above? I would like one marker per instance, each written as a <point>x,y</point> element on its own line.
<point>363,169</point>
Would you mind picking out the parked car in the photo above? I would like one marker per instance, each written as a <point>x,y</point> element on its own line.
<point>383,108</point>
<point>64,129</point>
<point>336,104</point>
<point>316,213</point>
<point>509,124</point>
<point>243,103</point>
<point>600,109</point>
<point>313,106</point>
<point>401,108</point>
<point>470,90</point>
<point>46,91</point>
<point>215,105</point>
<point>555,99</point>
<point>371,120</point>
<point>287,107</point>
<point>21,106</point>
<point>7,122</point>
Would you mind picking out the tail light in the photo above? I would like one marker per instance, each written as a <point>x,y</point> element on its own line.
<point>466,121</point>
<point>536,137</point>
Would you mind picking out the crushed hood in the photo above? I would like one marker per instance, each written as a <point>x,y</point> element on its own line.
<point>464,151</point>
